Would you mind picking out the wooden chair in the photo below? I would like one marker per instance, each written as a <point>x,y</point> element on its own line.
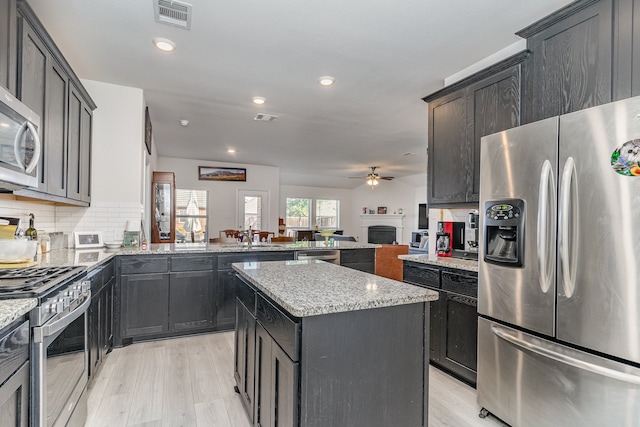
<point>223,240</point>
<point>264,235</point>
<point>229,233</point>
<point>283,239</point>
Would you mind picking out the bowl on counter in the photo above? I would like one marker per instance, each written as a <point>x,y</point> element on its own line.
<point>17,250</point>
<point>113,245</point>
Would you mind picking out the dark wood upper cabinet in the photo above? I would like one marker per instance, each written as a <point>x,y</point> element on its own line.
<point>459,116</point>
<point>626,49</point>
<point>571,60</point>
<point>8,45</point>
<point>46,83</point>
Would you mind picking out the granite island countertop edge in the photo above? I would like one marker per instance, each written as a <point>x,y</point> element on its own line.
<point>322,288</point>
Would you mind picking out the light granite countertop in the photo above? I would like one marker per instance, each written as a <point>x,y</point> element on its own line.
<point>310,288</point>
<point>461,264</point>
<point>94,257</point>
<point>11,309</point>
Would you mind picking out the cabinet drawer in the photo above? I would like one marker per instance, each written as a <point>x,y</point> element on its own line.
<point>284,330</point>
<point>144,264</point>
<point>357,255</point>
<point>462,284</point>
<point>191,263</point>
<point>14,349</point>
<point>275,256</point>
<point>423,276</point>
<point>247,295</point>
<point>225,261</point>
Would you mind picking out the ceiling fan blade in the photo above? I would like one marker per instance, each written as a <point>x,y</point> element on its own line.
<point>388,178</point>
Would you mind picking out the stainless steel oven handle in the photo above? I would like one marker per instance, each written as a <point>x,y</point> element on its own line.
<point>44,331</point>
<point>566,359</point>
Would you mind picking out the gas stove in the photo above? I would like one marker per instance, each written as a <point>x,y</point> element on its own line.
<point>36,282</point>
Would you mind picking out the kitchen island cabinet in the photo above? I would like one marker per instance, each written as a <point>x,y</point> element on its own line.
<point>318,345</point>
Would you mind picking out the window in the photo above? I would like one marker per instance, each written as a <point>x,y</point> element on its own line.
<point>191,216</point>
<point>298,213</point>
<point>300,216</point>
<point>327,213</point>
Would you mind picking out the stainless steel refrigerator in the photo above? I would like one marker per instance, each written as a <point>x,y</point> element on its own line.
<point>559,270</point>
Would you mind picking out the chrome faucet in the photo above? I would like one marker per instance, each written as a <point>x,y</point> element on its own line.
<point>248,234</point>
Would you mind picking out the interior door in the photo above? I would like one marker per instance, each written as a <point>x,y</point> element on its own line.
<point>599,229</point>
<point>521,163</point>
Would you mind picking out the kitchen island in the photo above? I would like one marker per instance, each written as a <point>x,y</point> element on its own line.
<point>318,344</point>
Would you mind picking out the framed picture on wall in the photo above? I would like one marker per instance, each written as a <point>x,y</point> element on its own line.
<point>148,133</point>
<point>215,173</point>
<point>382,210</point>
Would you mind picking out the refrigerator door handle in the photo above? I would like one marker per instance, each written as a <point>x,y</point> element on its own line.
<point>567,227</point>
<point>563,358</point>
<point>546,210</point>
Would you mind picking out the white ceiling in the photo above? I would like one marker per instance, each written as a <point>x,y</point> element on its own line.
<point>385,55</point>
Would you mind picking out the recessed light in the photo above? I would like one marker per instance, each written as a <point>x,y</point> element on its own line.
<point>326,80</point>
<point>164,45</point>
<point>258,100</point>
<point>231,151</point>
<point>184,122</point>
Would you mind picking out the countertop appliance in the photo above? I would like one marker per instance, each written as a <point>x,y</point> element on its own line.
<point>59,352</point>
<point>559,270</point>
<point>19,143</point>
<point>449,238</point>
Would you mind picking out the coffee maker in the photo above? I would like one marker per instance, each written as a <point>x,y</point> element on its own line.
<point>449,238</point>
<point>473,226</point>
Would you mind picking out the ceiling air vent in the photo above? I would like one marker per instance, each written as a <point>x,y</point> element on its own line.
<point>173,13</point>
<point>265,117</point>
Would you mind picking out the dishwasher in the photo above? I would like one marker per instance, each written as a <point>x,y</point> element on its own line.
<point>332,256</point>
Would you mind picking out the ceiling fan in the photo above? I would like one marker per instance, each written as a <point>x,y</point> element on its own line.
<point>373,178</point>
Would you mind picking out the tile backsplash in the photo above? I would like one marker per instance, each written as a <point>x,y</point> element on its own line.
<point>108,218</point>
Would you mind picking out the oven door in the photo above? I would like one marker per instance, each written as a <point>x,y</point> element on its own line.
<point>60,367</point>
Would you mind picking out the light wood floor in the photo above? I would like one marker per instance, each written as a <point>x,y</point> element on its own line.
<point>189,382</point>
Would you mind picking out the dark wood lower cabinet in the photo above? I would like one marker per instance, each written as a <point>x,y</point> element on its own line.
<point>190,300</point>
<point>359,259</point>
<point>14,374</point>
<point>245,350</point>
<point>455,332</point>
<point>14,399</point>
<point>453,327</point>
<point>100,315</point>
<point>144,303</point>
<point>326,370</point>
<point>276,390</point>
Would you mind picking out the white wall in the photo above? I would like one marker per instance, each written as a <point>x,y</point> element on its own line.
<point>393,195</point>
<point>223,199</point>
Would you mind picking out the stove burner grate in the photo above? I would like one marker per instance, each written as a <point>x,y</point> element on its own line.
<point>14,279</point>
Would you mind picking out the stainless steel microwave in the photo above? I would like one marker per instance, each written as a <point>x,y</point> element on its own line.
<point>20,145</point>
